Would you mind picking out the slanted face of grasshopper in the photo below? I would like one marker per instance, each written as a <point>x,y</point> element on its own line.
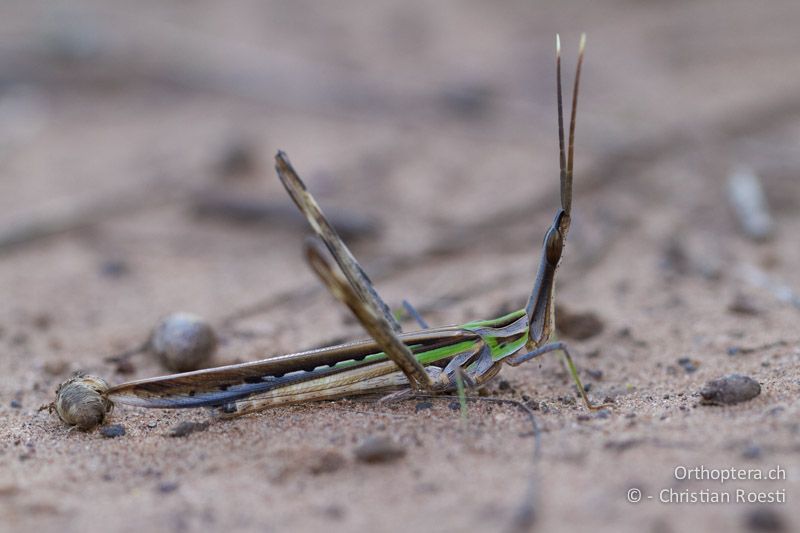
<point>429,360</point>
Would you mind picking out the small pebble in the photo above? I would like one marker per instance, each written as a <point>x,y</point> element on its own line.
<point>422,406</point>
<point>578,325</point>
<point>774,411</point>
<point>113,431</point>
<point>326,462</point>
<point>334,512</point>
<point>567,400</point>
<point>56,367</point>
<point>688,365</point>
<point>454,405</point>
<point>167,487</point>
<point>80,401</point>
<point>42,321</point>
<point>742,305</point>
<point>114,268</point>
<point>504,385</point>
<point>765,519</point>
<point>746,196</point>
<point>379,449</point>
<point>603,414</point>
<point>187,427</point>
<point>752,452</point>
<point>469,99</point>
<point>237,158</point>
<point>595,374</point>
<point>183,342</point>
<point>16,404</point>
<point>729,390</point>
<point>124,366</point>
<point>19,339</point>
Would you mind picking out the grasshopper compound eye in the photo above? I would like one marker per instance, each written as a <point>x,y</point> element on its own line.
<point>554,244</point>
<point>554,238</point>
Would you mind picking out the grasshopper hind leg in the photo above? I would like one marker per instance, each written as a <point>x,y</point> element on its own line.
<point>573,370</point>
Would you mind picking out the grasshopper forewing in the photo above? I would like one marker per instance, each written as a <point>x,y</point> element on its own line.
<point>428,360</point>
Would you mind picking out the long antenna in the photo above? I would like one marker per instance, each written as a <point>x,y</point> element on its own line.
<point>571,125</point>
<point>566,189</point>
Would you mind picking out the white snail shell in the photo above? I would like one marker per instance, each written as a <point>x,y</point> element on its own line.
<point>183,342</point>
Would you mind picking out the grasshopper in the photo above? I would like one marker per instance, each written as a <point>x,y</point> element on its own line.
<point>429,361</point>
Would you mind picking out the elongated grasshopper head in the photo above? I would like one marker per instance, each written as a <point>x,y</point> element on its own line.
<point>541,305</point>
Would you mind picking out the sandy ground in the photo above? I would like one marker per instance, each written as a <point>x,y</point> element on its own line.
<point>437,123</point>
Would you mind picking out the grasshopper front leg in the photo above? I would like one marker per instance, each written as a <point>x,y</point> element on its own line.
<point>573,370</point>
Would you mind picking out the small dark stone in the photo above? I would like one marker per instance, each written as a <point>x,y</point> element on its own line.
<point>454,405</point>
<point>16,404</point>
<point>778,409</point>
<point>688,365</point>
<point>167,487</point>
<point>504,385</point>
<point>742,305</point>
<point>124,366</point>
<point>566,400</point>
<point>752,452</point>
<point>112,431</point>
<point>595,374</point>
<point>469,100</point>
<point>334,512</point>
<point>56,367</point>
<point>42,321</point>
<point>730,389</point>
<point>422,406</point>
<point>237,159</point>
<point>765,519</point>
<point>675,258</point>
<point>603,414</point>
<point>187,428</point>
<point>19,339</point>
<point>379,449</point>
<point>326,462</point>
<point>623,445</point>
<point>583,417</point>
<point>578,325</point>
<point>114,268</point>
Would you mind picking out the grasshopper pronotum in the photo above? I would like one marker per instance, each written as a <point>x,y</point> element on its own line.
<point>427,361</point>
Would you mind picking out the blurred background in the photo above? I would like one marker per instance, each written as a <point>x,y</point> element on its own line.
<point>136,145</point>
